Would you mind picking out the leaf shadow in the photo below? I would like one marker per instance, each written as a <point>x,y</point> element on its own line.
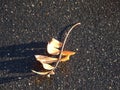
<point>19,59</point>
<point>63,31</point>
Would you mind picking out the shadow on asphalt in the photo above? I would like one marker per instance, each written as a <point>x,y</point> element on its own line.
<point>63,32</point>
<point>19,59</point>
<point>23,50</point>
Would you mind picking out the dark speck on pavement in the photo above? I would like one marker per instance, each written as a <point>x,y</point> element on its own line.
<point>27,25</point>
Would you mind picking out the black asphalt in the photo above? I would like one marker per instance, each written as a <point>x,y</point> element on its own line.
<point>27,25</point>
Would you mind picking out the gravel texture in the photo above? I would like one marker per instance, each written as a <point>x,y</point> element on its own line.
<point>27,25</point>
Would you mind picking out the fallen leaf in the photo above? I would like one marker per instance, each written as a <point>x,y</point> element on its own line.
<point>44,73</point>
<point>47,66</point>
<point>68,53</point>
<point>66,58</point>
<point>45,59</point>
<point>52,47</point>
<point>41,73</point>
<point>55,43</point>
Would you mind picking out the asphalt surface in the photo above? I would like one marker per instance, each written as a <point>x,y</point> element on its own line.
<point>27,25</point>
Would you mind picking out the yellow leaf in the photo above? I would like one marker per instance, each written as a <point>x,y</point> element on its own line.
<point>55,43</point>
<point>53,51</point>
<point>47,66</point>
<point>52,47</point>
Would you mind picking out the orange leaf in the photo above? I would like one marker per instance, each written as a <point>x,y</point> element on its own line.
<point>52,47</point>
<point>67,55</point>
<point>64,53</point>
<point>66,58</point>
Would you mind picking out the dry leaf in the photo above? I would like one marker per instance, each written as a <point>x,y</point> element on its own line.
<point>66,58</point>
<point>68,53</point>
<point>53,51</point>
<point>47,66</point>
<point>44,73</point>
<point>52,47</point>
<point>41,73</point>
<point>55,43</point>
<point>45,59</point>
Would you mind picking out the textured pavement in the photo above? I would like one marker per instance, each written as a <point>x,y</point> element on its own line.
<point>27,25</point>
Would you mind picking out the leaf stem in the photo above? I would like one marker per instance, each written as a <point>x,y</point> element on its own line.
<point>60,55</point>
